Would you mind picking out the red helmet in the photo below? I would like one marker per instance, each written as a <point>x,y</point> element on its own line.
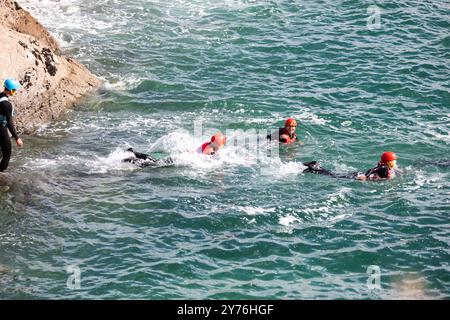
<point>388,156</point>
<point>219,139</point>
<point>290,122</point>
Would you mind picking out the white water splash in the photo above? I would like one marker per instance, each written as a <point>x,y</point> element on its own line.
<point>253,211</point>
<point>330,211</point>
<point>288,220</point>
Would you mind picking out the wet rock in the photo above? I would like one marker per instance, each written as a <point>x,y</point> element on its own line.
<point>23,45</point>
<point>51,82</point>
<point>26,80</point>
<point>49,61</point>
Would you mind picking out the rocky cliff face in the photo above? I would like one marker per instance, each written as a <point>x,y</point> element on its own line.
<point>51,82</point>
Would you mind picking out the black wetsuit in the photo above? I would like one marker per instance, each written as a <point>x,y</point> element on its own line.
<point>316,168</point>
<point>142,160</point>
<point>281,131</point>
<point>6,123</point>
<point>381,170</point>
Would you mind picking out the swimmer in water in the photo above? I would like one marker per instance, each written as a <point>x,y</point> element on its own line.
<point>385,169</point>
<point>287,134</point>
<point>217,142</point>
<point>143,160</point>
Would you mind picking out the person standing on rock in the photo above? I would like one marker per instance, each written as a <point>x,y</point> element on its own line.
<point>6,123</point>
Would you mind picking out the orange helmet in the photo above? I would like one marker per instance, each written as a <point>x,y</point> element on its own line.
<point>219,139</point>
<point>290,122</point>
<point>388,156</point>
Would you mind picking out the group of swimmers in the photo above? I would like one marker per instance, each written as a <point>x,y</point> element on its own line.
<point>385,169</point>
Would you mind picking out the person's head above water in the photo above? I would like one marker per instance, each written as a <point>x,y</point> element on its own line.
<point>11,86</point>
<point>389,158</point>
<point>218,141</point>
<point>290,125</point>
<point>385,169</point>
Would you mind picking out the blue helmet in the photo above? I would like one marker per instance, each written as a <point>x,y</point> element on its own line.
<point>11,84</point>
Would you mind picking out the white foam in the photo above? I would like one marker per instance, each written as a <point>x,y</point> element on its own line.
<point>112,162</point>
<point>288,220</point>
<point>439,136</point>
<point>180,144</point>
<point>104,123</point>
<point>310,117</point>
<point>253,211</point>
<point>84,163</point>
<point>422,179</point>
<point>346,123</point>
<point>290,168</point>
<point>119,83</point>
<point>183,147</point>
<point>327,212</point>
<point>70,21</point>
<point>343,168</point>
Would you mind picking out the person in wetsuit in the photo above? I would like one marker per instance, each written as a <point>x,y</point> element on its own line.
<point>6,123</point>
<point>143,160</point>
<point>287,134</point>
<point>217,142</point>
<point>385,169</point>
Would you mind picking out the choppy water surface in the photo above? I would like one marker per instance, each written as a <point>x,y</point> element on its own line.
<point>237,226</point>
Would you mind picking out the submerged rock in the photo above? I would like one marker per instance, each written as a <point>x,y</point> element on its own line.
<point>52,82</point>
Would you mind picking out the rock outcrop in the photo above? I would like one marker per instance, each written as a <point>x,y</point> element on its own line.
<point>51,82</point>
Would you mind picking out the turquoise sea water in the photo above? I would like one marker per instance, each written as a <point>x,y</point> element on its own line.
<point>237,226</point>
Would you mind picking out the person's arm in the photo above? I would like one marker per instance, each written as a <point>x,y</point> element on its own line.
<point>284,136</point>
<point>369,175</point>
<point>10,124</point>
<point>361,177</point>
<point>297,140</point>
